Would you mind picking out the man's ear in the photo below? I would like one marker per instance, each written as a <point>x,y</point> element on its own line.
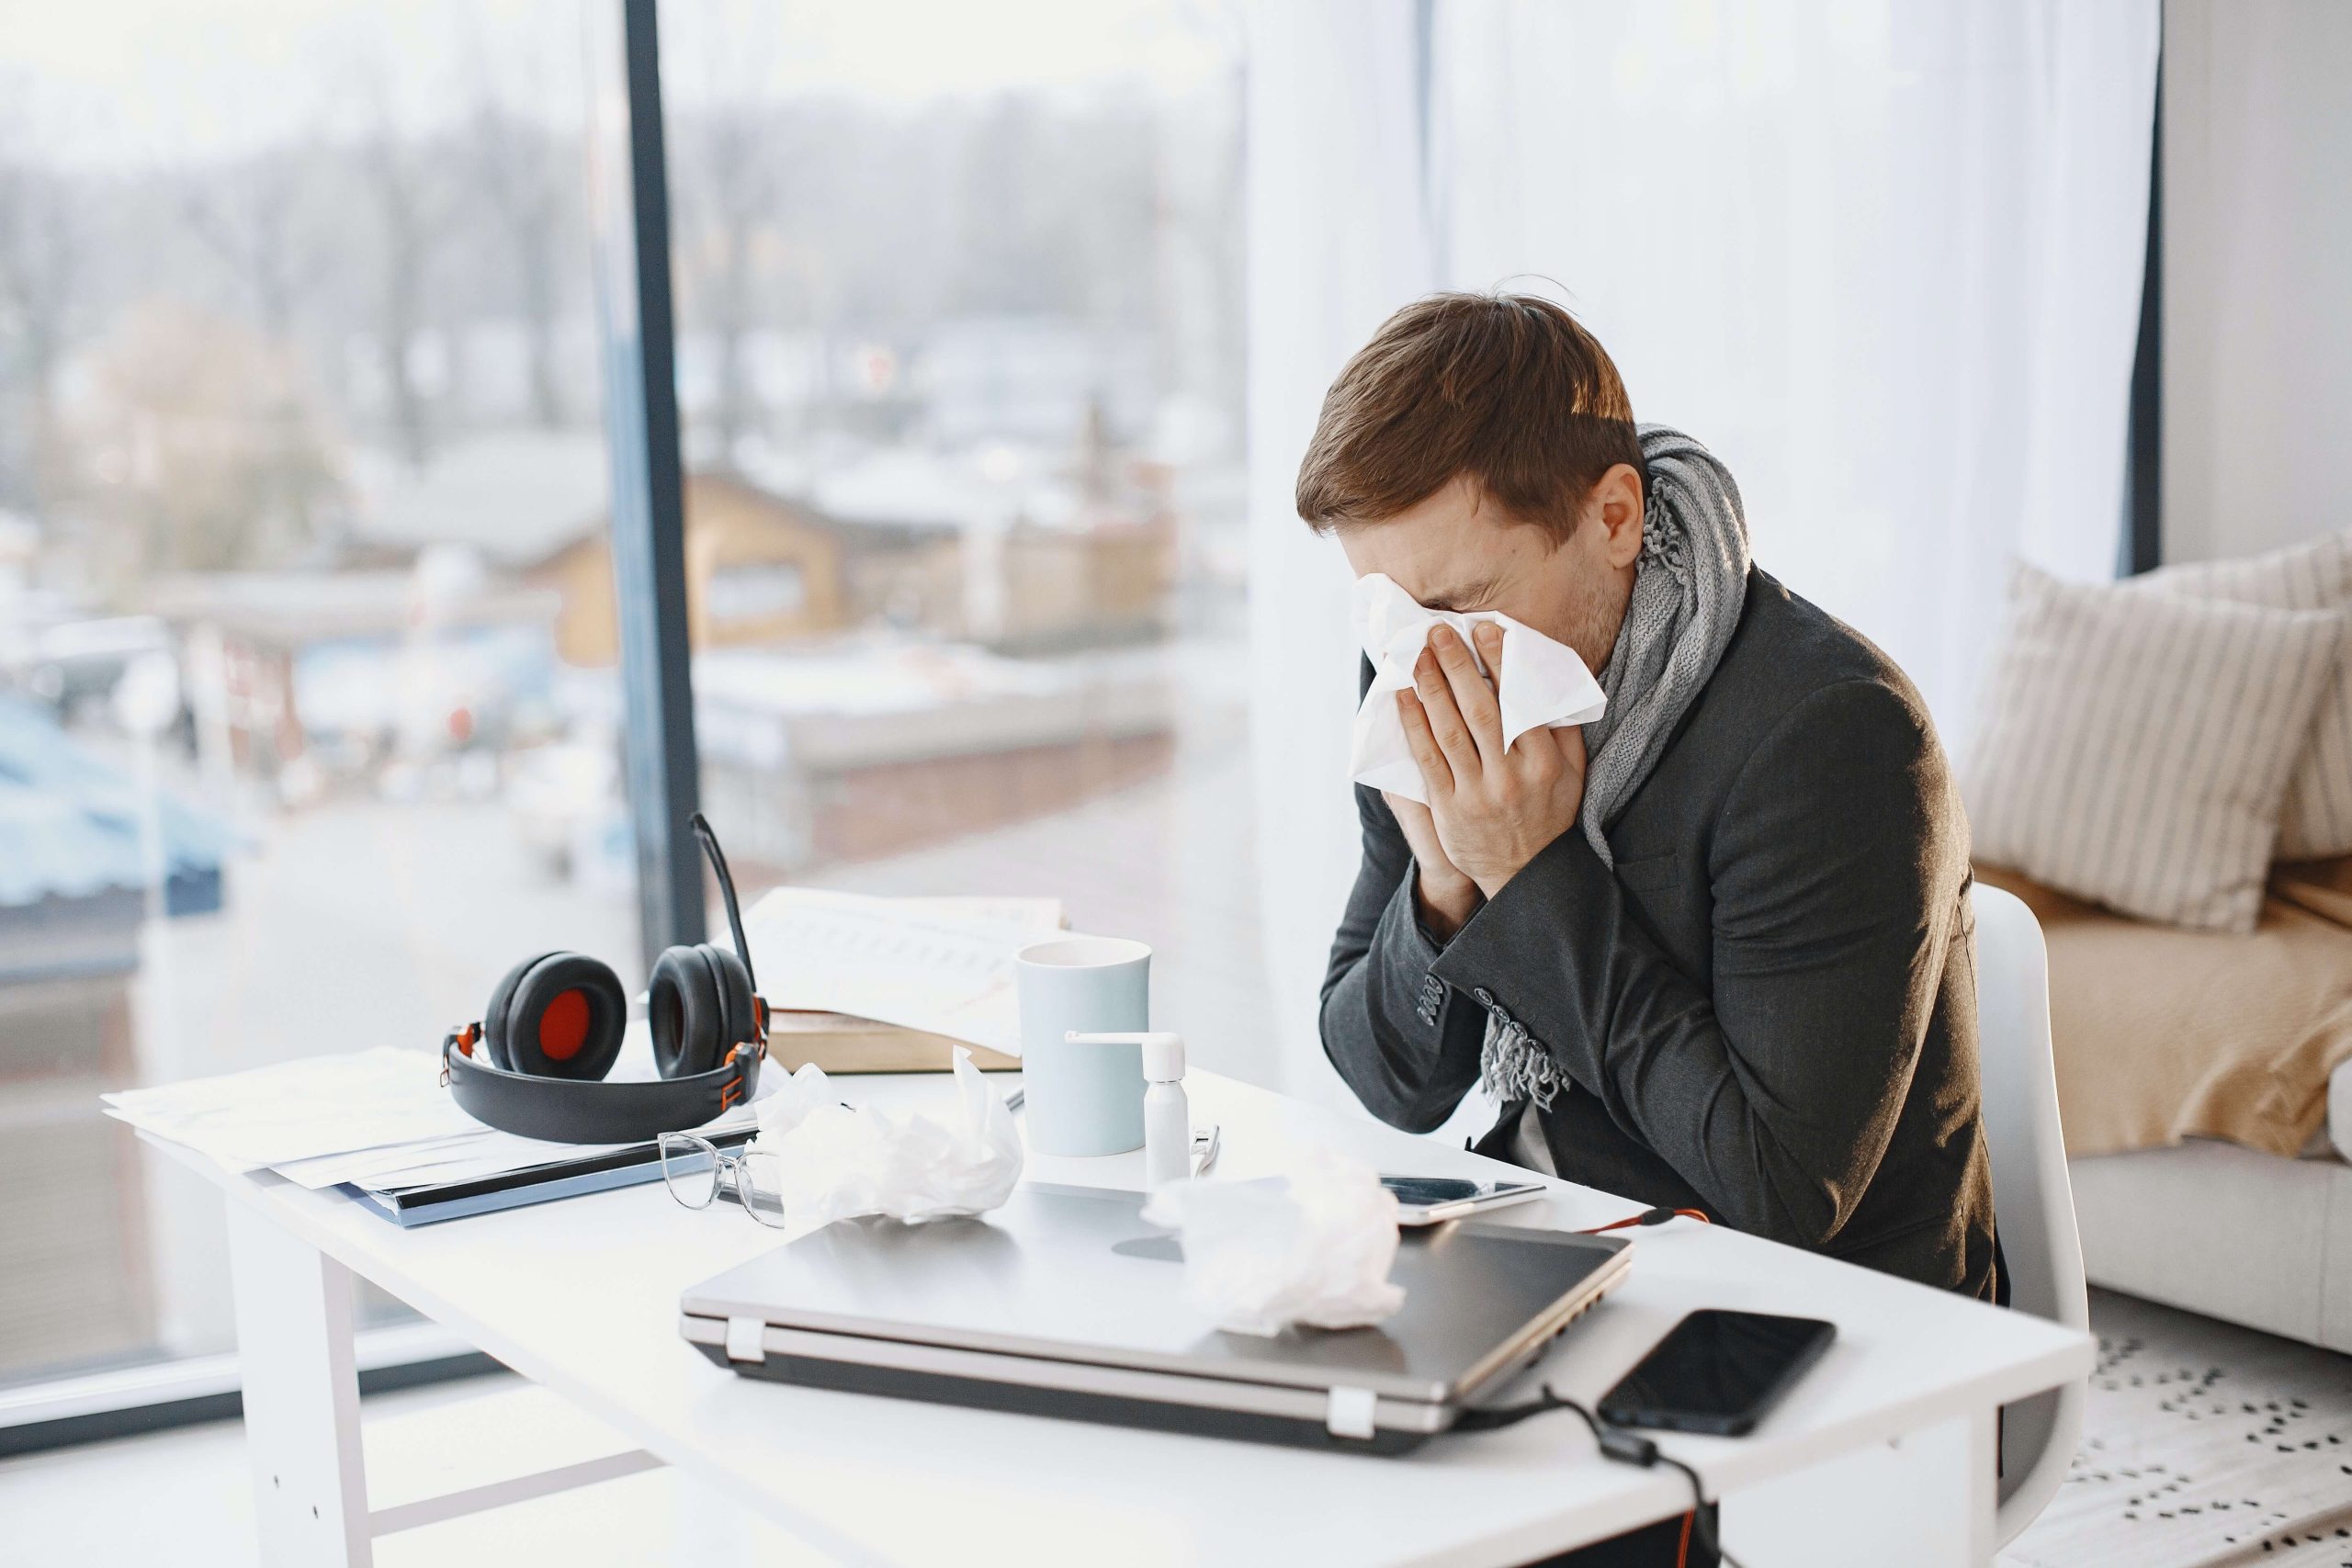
<point>1617,504</point>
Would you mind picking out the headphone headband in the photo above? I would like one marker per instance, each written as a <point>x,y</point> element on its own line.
<point>581,1111</point>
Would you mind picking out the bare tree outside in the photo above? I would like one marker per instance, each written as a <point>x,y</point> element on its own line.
<point>204,445</point>
<point>257,219</point>
<point>41,257</point>
<point>729,196</point>
<point>410,230</point>
<point>523,186</point>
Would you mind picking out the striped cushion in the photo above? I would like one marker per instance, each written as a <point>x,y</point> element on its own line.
<point>2316,820</point>
<point>2134,747</point>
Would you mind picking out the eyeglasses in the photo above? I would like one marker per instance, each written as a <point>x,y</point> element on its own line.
<point>697,1170</point>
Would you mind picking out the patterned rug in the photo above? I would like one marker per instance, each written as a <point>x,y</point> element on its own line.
<point>2204,1446</point>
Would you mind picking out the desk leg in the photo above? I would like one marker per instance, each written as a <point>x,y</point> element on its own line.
<point>302,1397</point>
<point>1925,1500</point>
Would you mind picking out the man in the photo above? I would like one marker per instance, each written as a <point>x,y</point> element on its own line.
<point>1713,951</point>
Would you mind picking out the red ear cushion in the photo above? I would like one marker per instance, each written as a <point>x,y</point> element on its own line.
<point>684,1013</point>
<point>563,1027</point>
<point>567,1020</point>
<point>493,1018</point>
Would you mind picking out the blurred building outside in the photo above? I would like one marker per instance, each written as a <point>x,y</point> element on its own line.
<point>82,851</point>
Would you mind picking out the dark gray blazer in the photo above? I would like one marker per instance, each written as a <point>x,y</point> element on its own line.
<point>1768,1009</point>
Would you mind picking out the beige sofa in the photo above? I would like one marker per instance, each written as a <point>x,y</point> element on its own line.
<point>2205,1082</point>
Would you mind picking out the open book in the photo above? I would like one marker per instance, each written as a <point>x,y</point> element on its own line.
<point>865,983</point>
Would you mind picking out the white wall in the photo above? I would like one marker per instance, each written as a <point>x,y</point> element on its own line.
<point>2257,262</point>
<point>1337,242</point>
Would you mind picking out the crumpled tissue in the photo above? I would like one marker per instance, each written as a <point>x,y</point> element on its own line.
<point>1543,682</point>
<point>834,1163</point>
<point>1313,1247</point>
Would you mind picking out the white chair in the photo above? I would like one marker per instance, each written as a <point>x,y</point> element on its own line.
<point>2032,1198</point>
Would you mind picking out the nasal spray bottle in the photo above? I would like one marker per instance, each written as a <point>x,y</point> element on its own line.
<point>1166,1113</point>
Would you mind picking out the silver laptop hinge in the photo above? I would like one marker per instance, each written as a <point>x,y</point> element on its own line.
<point>746,1339</point>
<point>1348,1414</point>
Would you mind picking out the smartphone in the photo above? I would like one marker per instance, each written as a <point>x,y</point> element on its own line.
<point>1717,1372</point>
<point>1433,1199</point>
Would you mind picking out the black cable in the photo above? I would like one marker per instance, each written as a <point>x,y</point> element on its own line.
<point>709,842</point>
<point>1616,1444</point>
<point>1708,1540</point>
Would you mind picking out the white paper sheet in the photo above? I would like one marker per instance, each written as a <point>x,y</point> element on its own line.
<point>1030,916</point>
<point>354,1165</point>
<point>292,1111</point>
<point>379,1119</point>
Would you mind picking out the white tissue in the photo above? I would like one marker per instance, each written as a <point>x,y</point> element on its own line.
<point>1313,1247</point>
<point>1544,681</point>
<point>833,1163</point>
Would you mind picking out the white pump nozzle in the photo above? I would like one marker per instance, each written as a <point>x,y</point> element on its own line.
<point>1164,1052</point>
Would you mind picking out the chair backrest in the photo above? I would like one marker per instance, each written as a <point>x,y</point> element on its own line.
<point>2033,1201</point>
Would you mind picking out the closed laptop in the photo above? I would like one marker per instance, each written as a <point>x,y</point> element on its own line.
<point>1065,1302</point>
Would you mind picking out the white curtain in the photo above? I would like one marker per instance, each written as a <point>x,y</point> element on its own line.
<point>1885,259</point>
<point>1338,239</point>
<point>1883,255</point>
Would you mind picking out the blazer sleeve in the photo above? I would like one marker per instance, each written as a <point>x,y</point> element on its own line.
<point>1399,1037</point>
<point>1773,1088</point>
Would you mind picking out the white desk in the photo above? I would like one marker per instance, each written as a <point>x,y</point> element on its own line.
<point>1884,1454</point>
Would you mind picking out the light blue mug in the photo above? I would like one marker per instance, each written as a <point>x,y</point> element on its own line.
<point>1082,1099</point>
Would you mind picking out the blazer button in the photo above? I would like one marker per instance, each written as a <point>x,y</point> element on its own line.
<point>1485,998</point>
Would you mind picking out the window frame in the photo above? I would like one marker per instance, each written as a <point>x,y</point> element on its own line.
<point>630,200</point>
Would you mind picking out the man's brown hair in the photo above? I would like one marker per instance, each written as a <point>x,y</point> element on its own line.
<point>1506,389</point>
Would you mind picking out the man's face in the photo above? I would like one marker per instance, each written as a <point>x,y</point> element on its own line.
<point>1454,550</point>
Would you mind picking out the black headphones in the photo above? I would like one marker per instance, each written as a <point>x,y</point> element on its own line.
<point>555,1024</point>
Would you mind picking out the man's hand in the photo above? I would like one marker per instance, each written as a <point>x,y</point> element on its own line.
<point>1492,809</point>
<point>1447,898</point>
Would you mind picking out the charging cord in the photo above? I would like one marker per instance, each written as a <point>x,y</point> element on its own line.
<point>1650,1217</point>
<point>1617,1444</point>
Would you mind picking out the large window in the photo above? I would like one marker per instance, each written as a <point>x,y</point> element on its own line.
<point>309,718</point>
<point>959,304</point>
<point>299,430</point>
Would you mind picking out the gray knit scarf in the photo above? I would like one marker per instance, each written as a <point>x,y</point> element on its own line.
<point>1688,588</point>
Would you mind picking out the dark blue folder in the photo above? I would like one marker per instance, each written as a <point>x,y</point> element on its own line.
<point>539,1184</point>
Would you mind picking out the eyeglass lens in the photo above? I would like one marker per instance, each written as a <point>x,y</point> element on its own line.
<point>690,1169</point>
<point>751,1180</point>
